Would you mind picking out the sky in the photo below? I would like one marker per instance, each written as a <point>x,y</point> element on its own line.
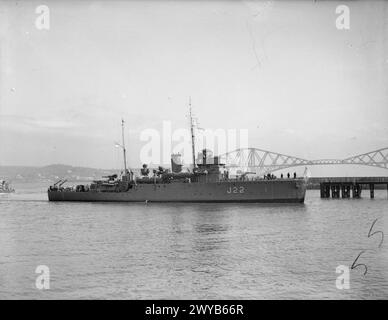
<point>280,69</point>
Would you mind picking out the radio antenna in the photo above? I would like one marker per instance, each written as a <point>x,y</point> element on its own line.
<point>192,133</point>
<point>123,146</point>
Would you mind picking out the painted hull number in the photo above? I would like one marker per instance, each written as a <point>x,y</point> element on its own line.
<point>235,189</point>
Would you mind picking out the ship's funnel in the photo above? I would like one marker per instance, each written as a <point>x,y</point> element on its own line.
<point>176,163</point>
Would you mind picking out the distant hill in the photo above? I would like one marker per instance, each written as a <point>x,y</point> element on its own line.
<point>52,173</point>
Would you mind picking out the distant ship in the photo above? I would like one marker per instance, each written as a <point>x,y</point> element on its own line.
<point>208,181</point>
<point>5,187</point>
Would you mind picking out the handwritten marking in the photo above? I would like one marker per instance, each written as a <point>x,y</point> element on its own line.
<point>376,232</point>
<point>354,265</point>
<point>370,234</point>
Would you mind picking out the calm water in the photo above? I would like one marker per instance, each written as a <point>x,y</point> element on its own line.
<point>181,251</point>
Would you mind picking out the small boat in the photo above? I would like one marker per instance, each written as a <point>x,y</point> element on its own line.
<point>5,187</point>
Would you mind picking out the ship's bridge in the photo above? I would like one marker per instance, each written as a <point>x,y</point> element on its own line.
<point>209,167</point>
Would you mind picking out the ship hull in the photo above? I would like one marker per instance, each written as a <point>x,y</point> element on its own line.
<point>266,191</point>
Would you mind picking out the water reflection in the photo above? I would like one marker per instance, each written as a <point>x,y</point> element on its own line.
<point>105,250</point>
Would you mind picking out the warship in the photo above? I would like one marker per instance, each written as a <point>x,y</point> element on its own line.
<point>208,181</point>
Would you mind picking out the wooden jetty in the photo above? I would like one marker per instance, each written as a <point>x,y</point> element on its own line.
<point>347,187</point>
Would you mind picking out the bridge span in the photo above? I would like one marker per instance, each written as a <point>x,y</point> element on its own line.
<point>264,161</point>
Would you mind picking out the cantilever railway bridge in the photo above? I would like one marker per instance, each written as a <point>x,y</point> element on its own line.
<point>263,161</point>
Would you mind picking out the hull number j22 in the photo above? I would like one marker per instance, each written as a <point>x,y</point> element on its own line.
<point>235,189</point>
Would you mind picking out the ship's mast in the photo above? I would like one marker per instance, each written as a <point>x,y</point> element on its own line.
<point>192,134</point>
<point>124,150</point>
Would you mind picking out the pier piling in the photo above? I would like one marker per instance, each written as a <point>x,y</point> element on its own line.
<point>325,190</point>
<point>346,187</point>
<point>323,194</point>
<point>335,191</point>
<point>372,190</point>
<point>357,191</point>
